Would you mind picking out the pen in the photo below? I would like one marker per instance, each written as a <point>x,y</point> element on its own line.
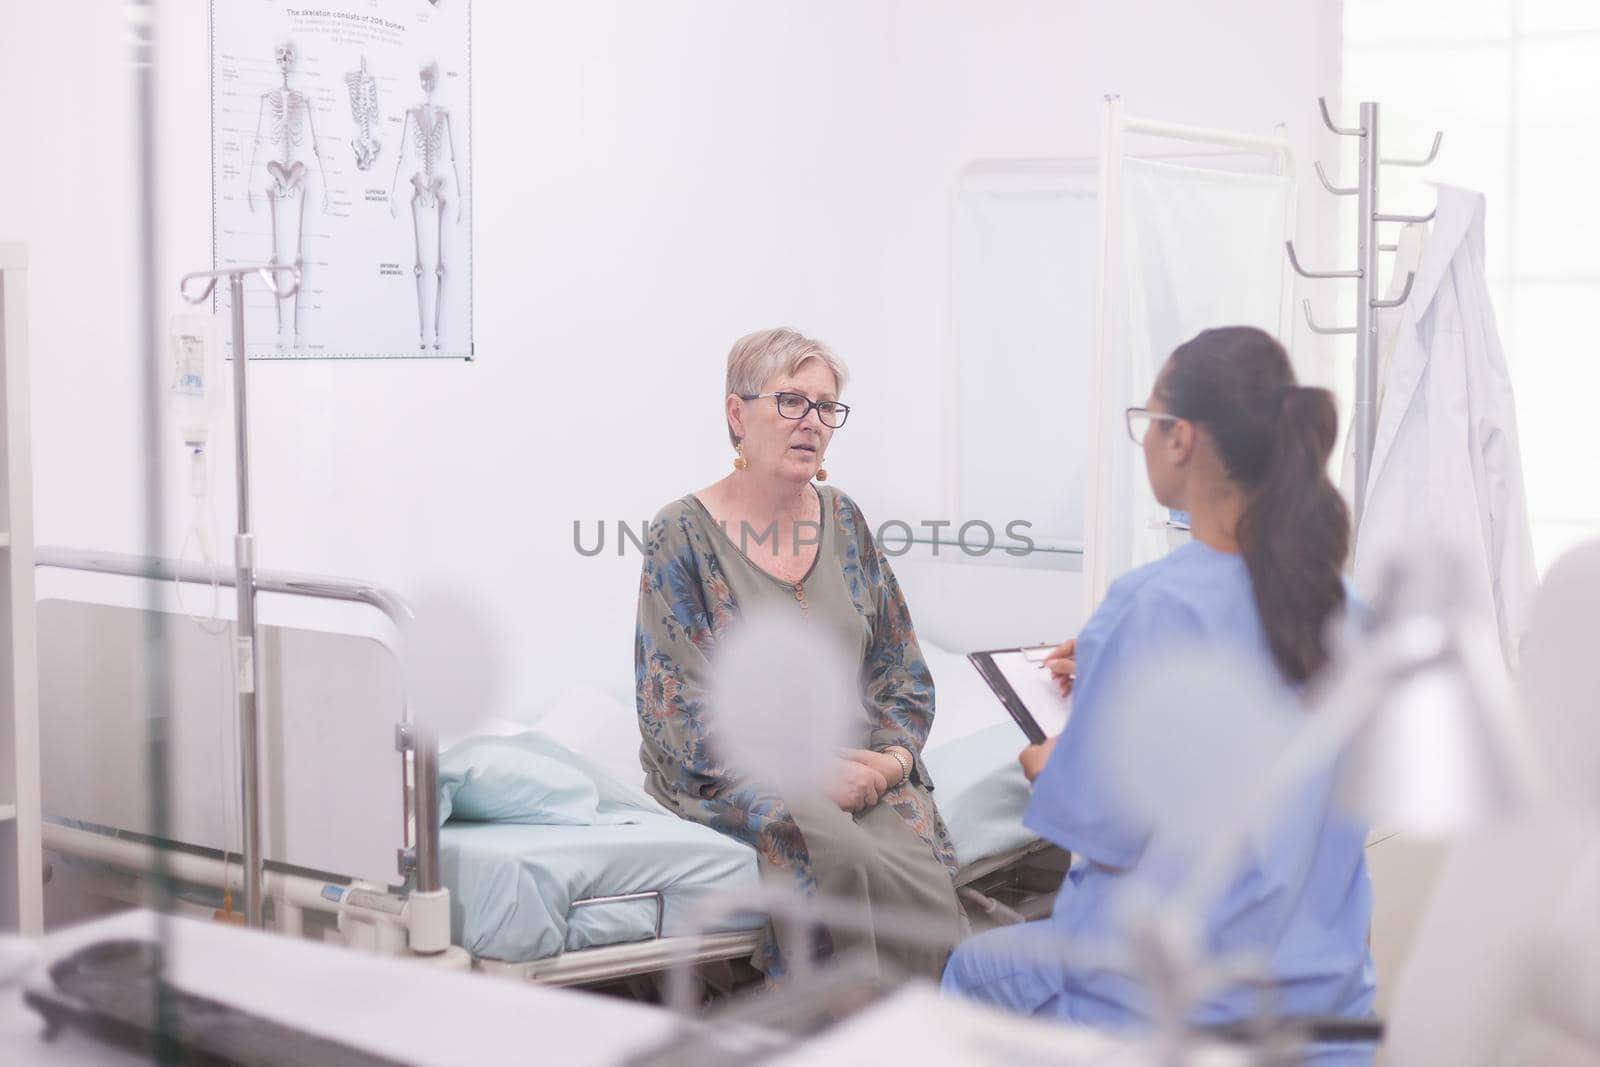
<point>1028,652</point>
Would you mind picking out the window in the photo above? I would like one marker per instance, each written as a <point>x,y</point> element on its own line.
<point>1515,86</point>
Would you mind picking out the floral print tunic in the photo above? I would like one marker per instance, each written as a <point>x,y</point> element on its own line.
<point>693,582</point>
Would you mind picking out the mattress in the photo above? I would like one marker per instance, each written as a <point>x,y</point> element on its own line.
<point>513,886</point>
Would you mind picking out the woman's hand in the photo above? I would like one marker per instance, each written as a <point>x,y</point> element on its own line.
<point>855,786</point>
<point>893,771</point>
<point>1034,757</point>
<point>1062,663</point>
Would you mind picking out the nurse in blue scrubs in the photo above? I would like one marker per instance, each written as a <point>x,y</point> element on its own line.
<point>1232,439</point>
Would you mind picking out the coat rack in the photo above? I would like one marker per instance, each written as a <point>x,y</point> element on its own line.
<point>1364,421</point>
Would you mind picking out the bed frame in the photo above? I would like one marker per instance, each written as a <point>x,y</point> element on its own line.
<point>334,698</point>
<point>334,726</point>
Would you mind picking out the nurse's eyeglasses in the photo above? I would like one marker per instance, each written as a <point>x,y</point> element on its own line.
<point>797,406</point>
<point>1139,420</point>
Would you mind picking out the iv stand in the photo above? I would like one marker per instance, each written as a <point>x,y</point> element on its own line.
<point>246,665</point>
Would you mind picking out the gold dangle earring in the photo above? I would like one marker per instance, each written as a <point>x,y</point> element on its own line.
<point>739,462</point>
<point>822,472</point>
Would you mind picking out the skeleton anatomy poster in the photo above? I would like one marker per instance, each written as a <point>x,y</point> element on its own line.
<point>341,141</point>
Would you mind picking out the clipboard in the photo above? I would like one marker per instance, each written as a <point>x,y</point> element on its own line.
<point>992,667</point>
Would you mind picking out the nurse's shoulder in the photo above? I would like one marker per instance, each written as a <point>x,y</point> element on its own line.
<point>1188,576</point>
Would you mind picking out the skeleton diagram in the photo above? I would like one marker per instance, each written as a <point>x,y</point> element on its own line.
<point>284,115</point>
<point>426,138</point>
<point>364,109</point>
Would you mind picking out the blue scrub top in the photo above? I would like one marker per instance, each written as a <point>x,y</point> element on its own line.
<point>1301,896</point>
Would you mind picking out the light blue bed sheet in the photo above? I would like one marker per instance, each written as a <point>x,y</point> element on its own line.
<point>512,885</point>
<point>982,792</point>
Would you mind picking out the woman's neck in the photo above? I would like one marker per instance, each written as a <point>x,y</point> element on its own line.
<point>768,498</point>
<point>1214,516</point>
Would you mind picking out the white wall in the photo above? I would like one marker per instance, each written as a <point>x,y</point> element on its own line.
<point>652,180</point>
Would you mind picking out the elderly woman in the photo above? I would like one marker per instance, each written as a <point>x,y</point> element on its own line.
<point>869,833</point>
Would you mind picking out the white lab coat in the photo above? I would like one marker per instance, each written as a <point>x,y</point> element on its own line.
<point>1446,464</point>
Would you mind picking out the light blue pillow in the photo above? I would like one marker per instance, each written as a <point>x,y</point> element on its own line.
<point>525,778</point>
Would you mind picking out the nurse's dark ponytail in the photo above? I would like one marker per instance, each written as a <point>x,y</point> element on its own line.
<point>1275,437</point>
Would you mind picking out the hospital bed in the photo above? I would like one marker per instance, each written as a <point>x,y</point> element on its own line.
<point>565,901</point>
<point>578,904</point>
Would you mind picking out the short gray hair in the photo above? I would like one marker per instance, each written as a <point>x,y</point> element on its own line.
<point>757,358</point>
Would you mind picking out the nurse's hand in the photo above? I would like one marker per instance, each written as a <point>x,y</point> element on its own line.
<point>854,786</point>
<point>1062,663</point>
<point>1034,757</point>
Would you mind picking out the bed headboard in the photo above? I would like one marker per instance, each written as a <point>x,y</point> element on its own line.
<point>332,695</point>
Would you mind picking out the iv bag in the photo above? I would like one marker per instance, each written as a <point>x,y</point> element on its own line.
<point>196,386</point>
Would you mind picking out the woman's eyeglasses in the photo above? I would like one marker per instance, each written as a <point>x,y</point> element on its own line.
<point>797,406</point>
<point>1139,420</point>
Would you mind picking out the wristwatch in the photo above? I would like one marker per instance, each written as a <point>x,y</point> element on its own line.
<point>905,766</point>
